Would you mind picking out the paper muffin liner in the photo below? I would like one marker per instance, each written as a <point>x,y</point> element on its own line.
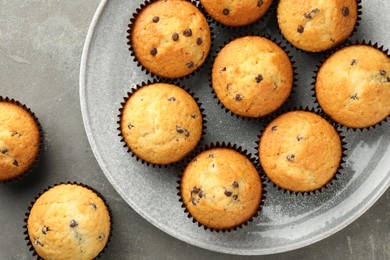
<point>271,10</point>
<point>357,24</point>
<point>141,66</point>
<point>135,88</point>
<point>241,151</point>
<point>25,232</point>
<point>285,104</point>
<point>343,159</point>
<point>40,146</point>
<point>318,67</point>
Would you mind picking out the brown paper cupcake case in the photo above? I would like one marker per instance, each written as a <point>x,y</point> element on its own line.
<point>143,84</point>
<point>271,10</point>
<point>285,49</point>
<point>241,151</point>
<point>25,232</point>
<point>41,139</point>
<point>139,64</point>
<point>318,66</point>
<point>359,9</point>
<point>336,126</point>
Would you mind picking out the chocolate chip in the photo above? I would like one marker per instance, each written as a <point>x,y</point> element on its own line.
<point>211,155</point>
<point>299,138</point>
<point>309,15</point>
<point>16,163</point>
<point>156,19</point>
<point>130,126</point>
<point>260,3</point>
<point>291,157</point>
<point>345,11</point>
<point>212,165</point>
<point>37,242</point>
<point>235,184</point>
<point>353,62</point>
<point>201,194</point>
<point>222,70</point>
<point>153,52</point>
<point>14,133</point>
<point>193,116</point>
<point>388,79</point>
<point>300,29</point>
<point>194,202</point>
<point>190,65</point>
<point>4,150</point>
<point>228,193</point>
<point>45,229</point>
<point>93,205</point>
<point>179,129</point>
<point>187,32</point>
<point>73,223</point>
<point>199,41</point>
<point>225,11</point>
<point>238,97</point>
<point>259,78</point>
<point>175,36</point>
<point>355,97</point>
<point>383,72</point>
<point>186,133</point>
<point>101,236</point>
<point>172,99</point>
<point>195,190</point>
<point>274,128</point>
<point>235,197</point>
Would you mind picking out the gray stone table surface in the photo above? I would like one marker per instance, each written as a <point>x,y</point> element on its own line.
<point>40,50</point>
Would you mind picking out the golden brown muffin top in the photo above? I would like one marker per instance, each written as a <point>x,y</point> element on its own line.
<point>317,25</point>
<point>221,188</point>
<point>19,140</point>
<point>171,38</point>
<point>69,222</point>
<point>161,123</point>
<point>300,151</point>
<point>252,76</point>
<point>353,86</point>
<point>236,13</point>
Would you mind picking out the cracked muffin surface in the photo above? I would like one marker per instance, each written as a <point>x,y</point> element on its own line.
<point>236,13</point>
<point>161,123</point>
<point>317,25</point>
<point>300,151</point>
<point>69,222</point>
<point>19,140</point>
<point>221,188</point>
<point>252,76</point>
<point>170,38</point>
<point>353,86</point>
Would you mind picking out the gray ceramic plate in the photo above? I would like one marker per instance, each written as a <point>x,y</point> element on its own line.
<point>287,221</point>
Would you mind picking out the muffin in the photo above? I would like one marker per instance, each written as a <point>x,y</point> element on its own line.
<point>300,151</point>
<point>170,38</point>
<point>161,123</point>
<point>353,86</point>
<point>317,25</point>
<point>221,189</point>
<point>236,13</point>
<point>20,139</point>
<point>68,222</point>
<point>252,76</point>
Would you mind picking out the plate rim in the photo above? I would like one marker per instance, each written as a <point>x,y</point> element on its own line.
<point>219,249</point>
